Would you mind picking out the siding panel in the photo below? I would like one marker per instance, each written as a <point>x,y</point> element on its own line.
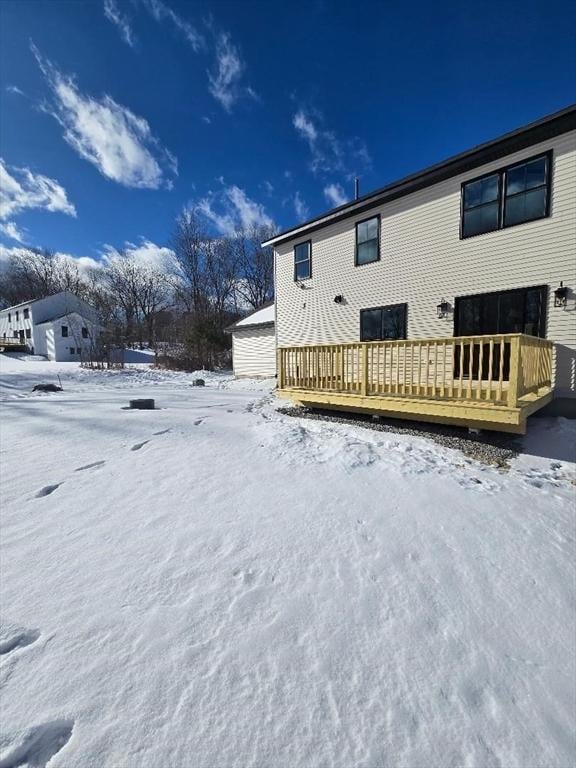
<point>254,352</point>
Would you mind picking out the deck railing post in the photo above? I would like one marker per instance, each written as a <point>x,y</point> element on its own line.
<point>514,383</point>
<point>364,369</point>
<point>280,369</point>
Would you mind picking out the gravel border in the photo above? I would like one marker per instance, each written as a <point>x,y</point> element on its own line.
<point>493,448</point>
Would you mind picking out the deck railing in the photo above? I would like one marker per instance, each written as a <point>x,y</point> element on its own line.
<point>498,369</point>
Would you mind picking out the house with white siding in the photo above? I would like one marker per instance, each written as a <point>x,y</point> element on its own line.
<point>254,343</point>
<point>445,296</point>
<point>60,327</point>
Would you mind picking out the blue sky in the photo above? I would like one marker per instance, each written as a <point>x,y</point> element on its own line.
<point>116,114</point>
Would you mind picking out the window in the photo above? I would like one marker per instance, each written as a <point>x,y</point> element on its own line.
<point>368,240</point>
<point>17,315</point>
<point>526,192</point>
<point>26,314</point>
<point>383,323</point>
<point>481,206</point>
<point>303,260</point>
<point>72,350</point>
<point>510,196</point>
<point>28,333</point>
<point>521,310</point>
<point>15,334</point>
<point>9,317</point>
<point>84,333</point>
<point>64,331</point>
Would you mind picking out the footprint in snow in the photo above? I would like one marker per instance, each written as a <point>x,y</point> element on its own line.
<point>47,490</point>
<point>198,422</point>
<point>137,448</point>
<point>39,745</point>
<point>14,638</point>
<point>163,432</point>
<point>247,576</point>
<point>90,466</point>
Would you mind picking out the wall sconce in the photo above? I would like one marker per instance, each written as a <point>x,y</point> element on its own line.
<point>561,295</point>
<point>442,309</point>
<point>339,299</point>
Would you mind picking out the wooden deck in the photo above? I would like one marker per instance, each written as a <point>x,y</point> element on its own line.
<point>13,345</point>
<point>488,382</point>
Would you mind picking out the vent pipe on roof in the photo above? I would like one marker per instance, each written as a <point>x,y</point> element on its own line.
<point>356,188</point>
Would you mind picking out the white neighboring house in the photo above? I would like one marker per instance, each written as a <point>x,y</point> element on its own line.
<point>254,343</point>
<point>60,327</point>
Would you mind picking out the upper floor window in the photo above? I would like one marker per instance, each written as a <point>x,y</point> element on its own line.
<point>26,314</point>
<point>382,323</point>
<point>368,240</point>
<point>28,333</point>
<point>527,192</point>
<point>512,195</point>
<point>17,315</point>
<point>64,331</point>
<point>84,333</point>
<point>303,260</point>
<point>9,317</point>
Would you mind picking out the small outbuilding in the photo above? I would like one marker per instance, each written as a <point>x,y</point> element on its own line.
<point>254,343</point>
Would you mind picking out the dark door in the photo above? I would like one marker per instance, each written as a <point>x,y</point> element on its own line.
<point>21,336</point>
<point>522,310</point>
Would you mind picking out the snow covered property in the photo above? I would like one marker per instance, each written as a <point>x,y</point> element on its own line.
<point>215,583</point>
<point>59,327</point>
<point>446,296</point>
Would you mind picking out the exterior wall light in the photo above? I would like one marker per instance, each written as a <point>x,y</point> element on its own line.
<point>339,299</point>
<point>442,308</point>
<point>561,295</point>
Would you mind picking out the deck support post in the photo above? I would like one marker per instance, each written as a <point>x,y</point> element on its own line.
<point>514,376</point>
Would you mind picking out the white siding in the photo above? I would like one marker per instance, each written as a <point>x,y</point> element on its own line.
<point>254,351</point>
<point>423,261</point>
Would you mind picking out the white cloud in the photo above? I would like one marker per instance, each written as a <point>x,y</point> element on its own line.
<point>162,12</point>
<point>300,207</point>
<point>111,137</point>
<point>114,14</point>
<point>224,81</point>
<point>335,194</point>
<point>268,187</point>
<point>21,189</point>
<point>206,119</point>
<point>305,127</point>
<point>329,153</point>
<point>11,230</point>
<point>15,89</point>
<point>146,254</point>
<point>232,209</point>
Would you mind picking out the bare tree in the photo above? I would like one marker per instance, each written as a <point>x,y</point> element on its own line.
<point>255,285</point>
<point>140,291</point>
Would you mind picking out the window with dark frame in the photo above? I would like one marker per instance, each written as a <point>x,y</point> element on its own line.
<point>26,314</point>
<point>15,334</point>
<point>519,310</point>
<point>84,333</point>
<point>368,240</point>
<point>17,315</point>
<point>382,323</point>
<point>303,260</point>
<point>512,195</point>
<point>9,317</point>
<point>28,333</point>
<point>64,331</point>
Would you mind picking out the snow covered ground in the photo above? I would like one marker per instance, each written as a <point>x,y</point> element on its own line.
<point>213,584</point>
